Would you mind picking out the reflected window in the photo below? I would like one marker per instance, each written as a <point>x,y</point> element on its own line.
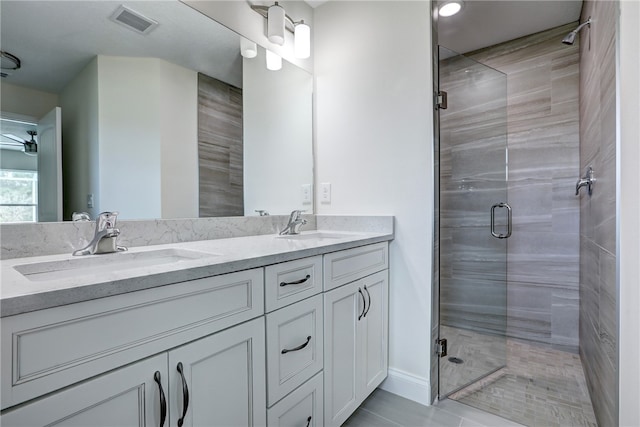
<point>18,196</point>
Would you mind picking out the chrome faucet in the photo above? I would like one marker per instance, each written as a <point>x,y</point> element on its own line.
<point>295,222</point>
<point>104,239</point>
<point>586,181</point>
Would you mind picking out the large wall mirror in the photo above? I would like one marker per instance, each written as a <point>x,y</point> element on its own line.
<point>168,121</point>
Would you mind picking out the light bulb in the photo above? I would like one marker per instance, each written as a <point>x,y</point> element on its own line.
<point>248,49</point>
<point>274,62</point>
<point>302,40</point>
<point>275,24</point>
<point>450,8</point>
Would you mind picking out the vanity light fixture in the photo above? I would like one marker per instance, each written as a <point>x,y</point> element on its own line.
<point>274,61</point>
<point>302,40</point>
<point>275,24</point>
<point>450,8</point>
<point>278,21</point>
<point>248,49</point>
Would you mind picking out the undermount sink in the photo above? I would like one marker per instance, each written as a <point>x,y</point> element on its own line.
<point>315,235</point>
<point>107,263</point>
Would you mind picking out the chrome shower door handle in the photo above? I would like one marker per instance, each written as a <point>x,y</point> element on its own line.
<point>493,221</point>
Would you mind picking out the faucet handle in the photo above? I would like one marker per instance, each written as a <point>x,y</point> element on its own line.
<point>106,220</point>
<point>80,216</point>
<point>296,213</point>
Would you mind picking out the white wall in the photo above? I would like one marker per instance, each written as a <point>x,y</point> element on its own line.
<point>148,138</point>
<point>374,135</point>
<point>179,136</point>
<point>80,166</point>
<point>129,135</point>
<point>629,212</point>
<point>25,101</point>
<point>278,156</point>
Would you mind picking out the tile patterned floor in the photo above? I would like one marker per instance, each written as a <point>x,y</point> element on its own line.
<point>539,387</point>
<point>383,409</point>
<point>467,345</point>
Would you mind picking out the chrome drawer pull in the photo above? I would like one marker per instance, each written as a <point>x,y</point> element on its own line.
<point>300,347</point>
<point>297,282</point>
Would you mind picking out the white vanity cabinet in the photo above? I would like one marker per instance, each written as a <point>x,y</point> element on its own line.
<point>356,344</point>
<point>49,349</point>
<point>128,396</point>
<point>220,382</point>
<point>299,343</point>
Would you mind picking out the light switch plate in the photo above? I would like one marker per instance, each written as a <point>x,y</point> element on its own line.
<point>325,192</point>
<point>306,193</point>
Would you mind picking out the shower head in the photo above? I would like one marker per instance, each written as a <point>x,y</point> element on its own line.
<point>571,37</point>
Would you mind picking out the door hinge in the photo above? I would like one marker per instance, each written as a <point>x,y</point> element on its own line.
<point>441,100</point>
<point>441,347</point>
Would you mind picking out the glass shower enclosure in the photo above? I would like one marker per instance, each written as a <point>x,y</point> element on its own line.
<point>474,222</point>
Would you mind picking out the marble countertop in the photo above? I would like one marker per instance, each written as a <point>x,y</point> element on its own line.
<point>21,294</point>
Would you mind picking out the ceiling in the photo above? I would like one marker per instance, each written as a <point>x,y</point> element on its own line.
<point>56,39</point>
<point>485,23</point>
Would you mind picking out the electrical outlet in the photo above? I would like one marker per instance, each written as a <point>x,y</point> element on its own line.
<point>90,201</point>
<point>325,192</point>
<point>306,193</point>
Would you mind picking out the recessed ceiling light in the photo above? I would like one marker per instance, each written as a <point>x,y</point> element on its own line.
<point>449,8</point>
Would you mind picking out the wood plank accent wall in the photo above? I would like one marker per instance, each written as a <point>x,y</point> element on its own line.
<point>220,158</point>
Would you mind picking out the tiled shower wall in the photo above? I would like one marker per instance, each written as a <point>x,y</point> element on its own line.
<point>543,131</point>
<point>598,294</point>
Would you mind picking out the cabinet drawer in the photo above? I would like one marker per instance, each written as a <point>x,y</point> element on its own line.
<point>49,349</point>
<point>295,346</point>
<point>292,281</point>
<point>296,409</point>
<point>349,265</point>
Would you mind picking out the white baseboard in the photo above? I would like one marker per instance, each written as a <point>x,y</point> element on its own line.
<point>408,386</point>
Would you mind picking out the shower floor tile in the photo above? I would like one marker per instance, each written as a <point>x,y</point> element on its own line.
<point>539,386</point>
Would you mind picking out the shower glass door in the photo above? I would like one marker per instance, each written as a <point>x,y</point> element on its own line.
<point>473,222</point>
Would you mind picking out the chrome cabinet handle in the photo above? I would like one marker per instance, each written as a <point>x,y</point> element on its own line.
<point>493,220</point>
<point>297,282</point>
<point>185,395</point>
<point>309,421</point>
<point>300,347</point>
<point>163,400</point>
<point>364,303</point>
<point>369,295</point>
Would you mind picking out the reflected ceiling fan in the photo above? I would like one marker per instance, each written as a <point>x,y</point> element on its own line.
<point>29,147</point>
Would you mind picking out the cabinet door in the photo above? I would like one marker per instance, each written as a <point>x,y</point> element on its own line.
<point>374,333</point>
<point>342,308</point>
<point>125,397</point>
<point>223,379</point>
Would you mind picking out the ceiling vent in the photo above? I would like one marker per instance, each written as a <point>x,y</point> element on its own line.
<point>133,20</point>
